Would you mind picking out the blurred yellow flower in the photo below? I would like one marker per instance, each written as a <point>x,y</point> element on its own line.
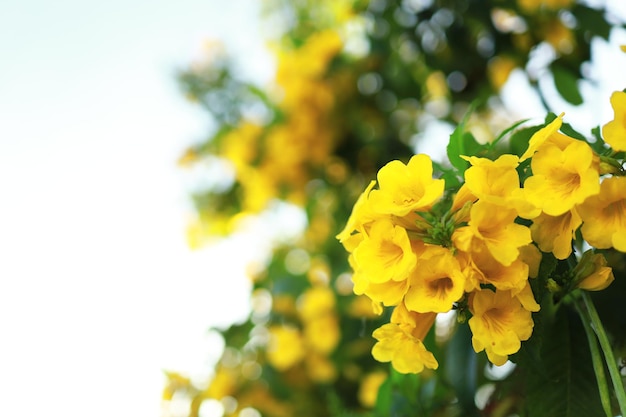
<point>499,324</point>
<point>562,178</point>
<point>406,188</point>
<point>368,391</point>
<point>285,348</point>
<point>499,68</point>
<point>322,333</point>
<point>604,216</point>
<point>316,301</point>
<point>614,132</point>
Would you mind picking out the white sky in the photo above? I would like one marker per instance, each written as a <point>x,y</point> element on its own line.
<point>98,291</point>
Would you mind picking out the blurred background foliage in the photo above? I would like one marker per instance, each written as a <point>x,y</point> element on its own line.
<point>357,84</point>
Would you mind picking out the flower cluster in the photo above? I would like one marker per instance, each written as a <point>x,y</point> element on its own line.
<point>425,249</point>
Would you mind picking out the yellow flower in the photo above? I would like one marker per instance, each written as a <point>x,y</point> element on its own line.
<point>542,136</point>
<point>499,324</point>
<point>320,368</point>
<point>436,283</point>
<point>484,269</point>
<point>315,302</point>
<point>562,178</point>
<point>614,132</point>
<point>604,216</point>
<point>406,188</point>
<point>401,343</point>
<point>596,275</point>
<point>492,181</point>
<point>285,347</point>
<point>322,333</point>
<point>495,227</point>
<point>555,233</point>
<point>361,215</point>
<point>389,293</point>
<point>385,254</point>
<point>368,391</point>
<point>499,68</point>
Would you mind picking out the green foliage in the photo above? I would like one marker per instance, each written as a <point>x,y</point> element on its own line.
<point>563,383</point>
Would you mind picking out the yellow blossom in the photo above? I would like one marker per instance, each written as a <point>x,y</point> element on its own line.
<point>541,136</point>
<point>285,347</point>
<point>320,368</point>
<point>614,132</point>
<point>322,333</point>
<point>499,68</point>
<point>385,254</point>
<point>604,216</point>
<point>555,233</point>
<point>492,181</point>
<point>562,178</point>
<point>499,324</point>
<point>368,391</point>
<point>597,275</point>
<point>406,188</point>
<point>315,302</point>
<point>361,214</point>
<point>436,283</point>
<point>401,343</point>
<point>484,269</point>
<point>495,227</point>
<point>389,293</point>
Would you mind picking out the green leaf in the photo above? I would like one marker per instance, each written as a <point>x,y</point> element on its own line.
<point>592,20</point>
<point>519,140</point>
<point>568,386</point>
<point>461,369</point>
<point>463,143</point>
<point>506,132</point>
<point>566,84</point>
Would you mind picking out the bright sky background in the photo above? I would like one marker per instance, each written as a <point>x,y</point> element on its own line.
<point>98,291</point>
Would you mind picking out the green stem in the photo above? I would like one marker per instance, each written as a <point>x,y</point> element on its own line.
<point>616,378</point>
<point>596,359</point>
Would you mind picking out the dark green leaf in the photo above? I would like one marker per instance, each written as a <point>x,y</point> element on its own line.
<point>519,139</point>
<point>461,369</point>
<point>568,386</point>
<point>566,84</point>
<point>592,20</point>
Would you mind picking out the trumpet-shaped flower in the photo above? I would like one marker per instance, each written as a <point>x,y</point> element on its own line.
<point>499,324</point>
<point>400,342</point>
<point>604,216</point>
<point>492,181</point>
<point>614,132</point>
<point>436,283</point>
<point>406,188</point>
<point>542,136</point>
<point>495,227</point>
<point>562,178</point>
<point>484,269</point>
<point>555,233</point>
<point>385,254</point>
<point>595,274</point>
<point>361,215</point>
